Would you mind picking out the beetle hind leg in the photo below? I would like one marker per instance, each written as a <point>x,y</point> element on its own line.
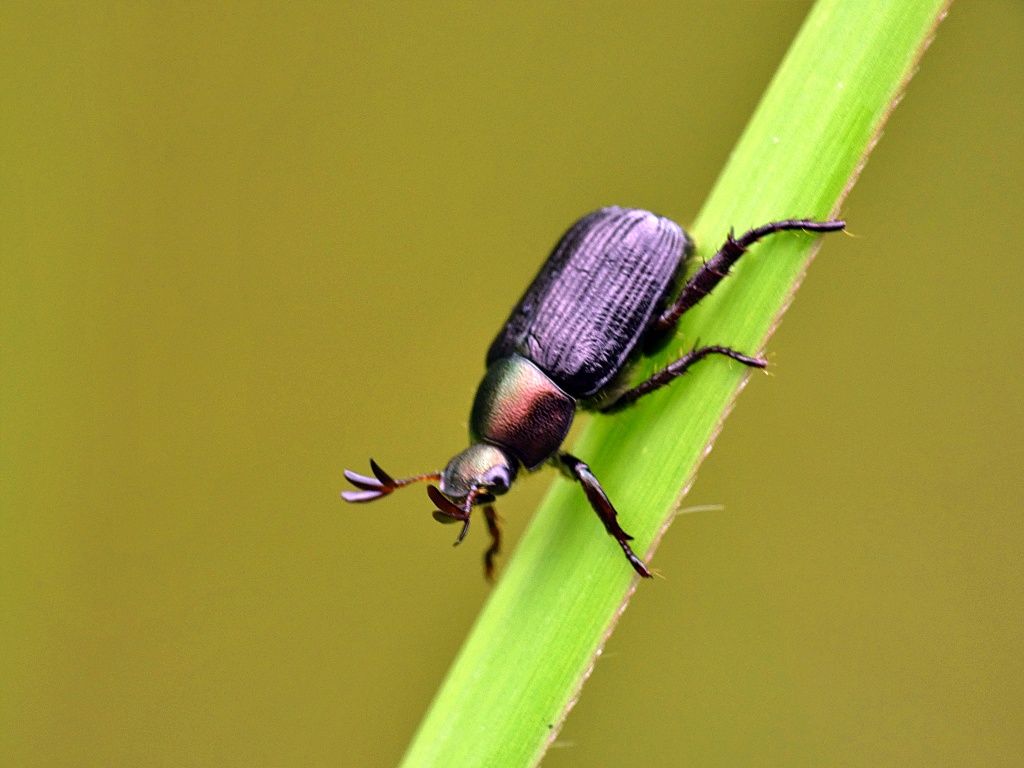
<point>718,266</point>
<point>700,285</point>
<point>601,504</point>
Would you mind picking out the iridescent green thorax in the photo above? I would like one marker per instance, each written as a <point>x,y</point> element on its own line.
<point>519,408</point>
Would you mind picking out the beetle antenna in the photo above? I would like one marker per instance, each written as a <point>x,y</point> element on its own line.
<point>380,485</point>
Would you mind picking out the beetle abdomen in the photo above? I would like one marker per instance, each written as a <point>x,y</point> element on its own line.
<point>591,302</point>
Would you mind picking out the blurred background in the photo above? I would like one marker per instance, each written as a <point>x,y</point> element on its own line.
<point>246,247</point>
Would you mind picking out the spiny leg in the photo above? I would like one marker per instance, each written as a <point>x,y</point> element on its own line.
<point>600,503</point>
<point>718,266</point>
<point>699,286</point>
<point>676,369</point>
<point>494,527</point>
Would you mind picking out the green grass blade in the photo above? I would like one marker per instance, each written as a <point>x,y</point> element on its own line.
<point>543,627</point>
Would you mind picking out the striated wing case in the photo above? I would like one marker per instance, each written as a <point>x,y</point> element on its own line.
<point>589,305</point>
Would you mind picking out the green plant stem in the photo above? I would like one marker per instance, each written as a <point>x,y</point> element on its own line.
<point>534,644</point>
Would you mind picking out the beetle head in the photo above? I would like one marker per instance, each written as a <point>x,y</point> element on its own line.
<point>475,476</point>
<point>480,471</point>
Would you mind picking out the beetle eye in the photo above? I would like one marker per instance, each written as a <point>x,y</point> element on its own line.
<point>497,480</point>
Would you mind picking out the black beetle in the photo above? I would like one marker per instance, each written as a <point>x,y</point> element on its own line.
<point>601,297</point>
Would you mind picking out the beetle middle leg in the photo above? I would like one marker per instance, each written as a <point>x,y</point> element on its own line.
<point>676,369</point>
<point>601,504</point>
<point>718,266</point>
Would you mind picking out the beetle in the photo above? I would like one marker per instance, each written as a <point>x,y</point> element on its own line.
<point>606,294</point>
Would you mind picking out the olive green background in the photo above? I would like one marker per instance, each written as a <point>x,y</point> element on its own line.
<point>246,247</point>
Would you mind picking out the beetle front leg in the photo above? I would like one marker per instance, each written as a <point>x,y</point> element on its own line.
<point>676,369</point>
<point>494,528</point>
<point>600,503</point>
<point>718,266</point>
